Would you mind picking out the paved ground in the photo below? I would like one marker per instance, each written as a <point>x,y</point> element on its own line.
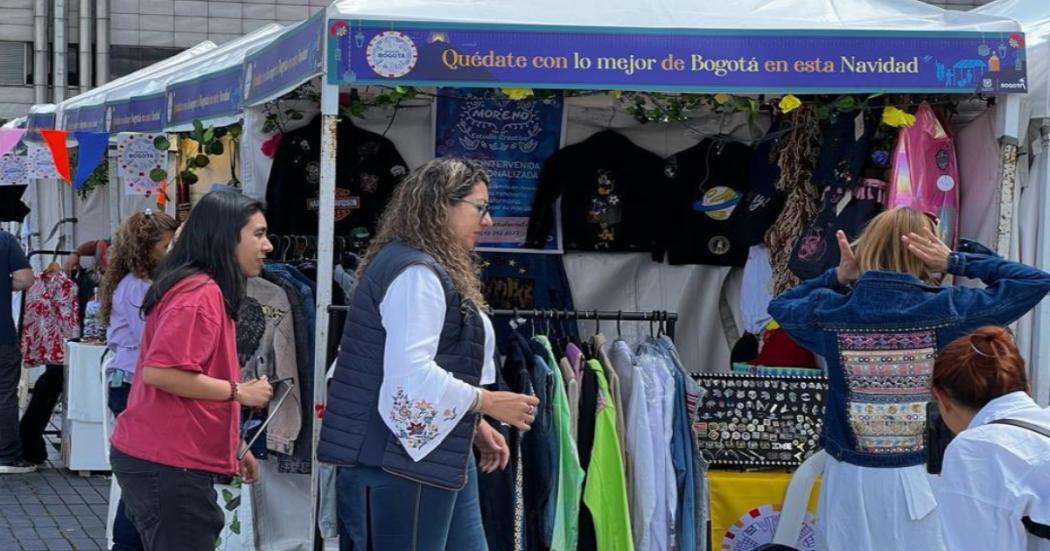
<point>53,509</point>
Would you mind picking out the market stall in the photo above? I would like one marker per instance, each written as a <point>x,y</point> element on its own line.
<point>1033,133</point>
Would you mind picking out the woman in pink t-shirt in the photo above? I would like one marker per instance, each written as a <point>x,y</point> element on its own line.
<point>180,431</point>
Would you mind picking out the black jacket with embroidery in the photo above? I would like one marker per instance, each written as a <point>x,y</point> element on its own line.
<point>368,167</point>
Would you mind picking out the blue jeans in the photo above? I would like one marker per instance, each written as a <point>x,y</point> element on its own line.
<point>125,536</point>
<point>378,510</point>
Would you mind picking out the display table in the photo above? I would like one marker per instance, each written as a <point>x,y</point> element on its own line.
<point>745,510</point>
<point>83,427</point>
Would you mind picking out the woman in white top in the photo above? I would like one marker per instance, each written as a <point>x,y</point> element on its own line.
<point>406,395</point>
<point>995,483</point>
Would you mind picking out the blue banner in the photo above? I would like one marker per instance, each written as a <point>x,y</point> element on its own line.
<point>293,58</point>
<point>210,96</point>
<point>85,119</point>
<point>36,121</point>
<point>432,54</point>
<point>141,114</point>
<point>511,139</point>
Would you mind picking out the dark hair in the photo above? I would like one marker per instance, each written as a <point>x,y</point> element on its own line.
<point>977,368</point>
<point>207,245</point>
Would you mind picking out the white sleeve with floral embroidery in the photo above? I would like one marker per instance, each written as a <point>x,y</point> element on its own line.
<point>419,400</point>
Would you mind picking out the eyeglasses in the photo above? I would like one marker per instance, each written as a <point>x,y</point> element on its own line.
<point>483,207</point>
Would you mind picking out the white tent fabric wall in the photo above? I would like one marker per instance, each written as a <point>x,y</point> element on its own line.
<point>911,15</point>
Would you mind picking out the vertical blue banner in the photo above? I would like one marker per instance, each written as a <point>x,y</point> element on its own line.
<point>511,139</point>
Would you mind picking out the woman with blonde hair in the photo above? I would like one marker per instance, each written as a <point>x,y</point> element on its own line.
<point>878,320</point>
<point>405,403</point>
<point>141,242</point>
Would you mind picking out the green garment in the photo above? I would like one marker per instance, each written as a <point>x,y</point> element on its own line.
<point>570,473</point>
<point>606,490</point>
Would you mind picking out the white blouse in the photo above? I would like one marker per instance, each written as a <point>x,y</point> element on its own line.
<point>995,474</point>
<point>419,400</point>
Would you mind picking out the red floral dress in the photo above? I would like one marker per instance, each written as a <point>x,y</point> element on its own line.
<point>50,318</point>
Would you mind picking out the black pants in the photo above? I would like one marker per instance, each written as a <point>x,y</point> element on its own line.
<point>46,392</point>
<point>10,373</point>
<point>125,535</point>
<point>174,509</point>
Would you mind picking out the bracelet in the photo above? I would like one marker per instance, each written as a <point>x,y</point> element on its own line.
<point>477,400</point>
<point>233,391</point>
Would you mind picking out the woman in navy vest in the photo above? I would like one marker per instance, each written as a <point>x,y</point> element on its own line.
<point>405,403</point>
<point>879,320</point>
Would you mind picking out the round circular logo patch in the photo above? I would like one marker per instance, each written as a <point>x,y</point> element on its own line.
<point>758,526</point>
<point>392,54</point>
<point>718,202</point>
<point>945,183</point>
<point>718,245</point>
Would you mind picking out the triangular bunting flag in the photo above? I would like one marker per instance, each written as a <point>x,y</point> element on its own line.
<point>9,139</point>
<point>92,149</point>
<point>56,142</point>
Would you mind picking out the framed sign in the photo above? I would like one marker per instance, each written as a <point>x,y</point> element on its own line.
<point>759,421</point>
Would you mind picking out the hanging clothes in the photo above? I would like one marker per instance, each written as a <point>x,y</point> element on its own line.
<point>605,493</point>
<point>601,350</point>
<point>50,317</point>
<point>526,282</point>
<point>607,186</point>
<point>275,357</point>
<point>570,474</point>
<point>701,208</point>
<point>368,167</point>
<point>659,387</point>
<point>925,173</point>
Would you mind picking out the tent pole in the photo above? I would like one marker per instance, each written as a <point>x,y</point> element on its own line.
<point>1039,363</point>
<point>1008,125</point>
<point>325,239</point>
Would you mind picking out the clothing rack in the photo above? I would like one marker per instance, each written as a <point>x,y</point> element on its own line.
<point>666,319</point>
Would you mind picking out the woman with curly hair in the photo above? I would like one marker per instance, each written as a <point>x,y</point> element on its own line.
<point>406,401</point>
<point>140,244</point>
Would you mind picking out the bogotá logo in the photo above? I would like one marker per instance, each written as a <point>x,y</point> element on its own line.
<point>392,54</point>
<point>758,526</point>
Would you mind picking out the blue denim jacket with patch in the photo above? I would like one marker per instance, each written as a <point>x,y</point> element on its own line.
<point>880,337</point>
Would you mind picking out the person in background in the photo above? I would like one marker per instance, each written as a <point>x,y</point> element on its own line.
<point>879,320</point>
<point>15,275</point>
<point>180,432</point>
<point>994,491</point>
<point>405,400</point>
<point>141,242</point>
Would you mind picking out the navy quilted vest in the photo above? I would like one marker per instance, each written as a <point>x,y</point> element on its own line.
<point>352,432</point>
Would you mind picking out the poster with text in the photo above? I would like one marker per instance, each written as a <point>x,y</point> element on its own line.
<point>13,170</point>
<point>136,159</point>
<point>511,139</point>
<point>40,165</point>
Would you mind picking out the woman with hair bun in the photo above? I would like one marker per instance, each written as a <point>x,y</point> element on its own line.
<point>995,483</point>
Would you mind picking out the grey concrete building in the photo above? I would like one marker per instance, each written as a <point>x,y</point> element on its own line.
<point>125,35</point>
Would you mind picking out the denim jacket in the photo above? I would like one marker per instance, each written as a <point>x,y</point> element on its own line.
<point>880,338</point>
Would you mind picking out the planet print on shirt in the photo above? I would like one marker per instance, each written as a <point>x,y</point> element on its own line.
<point>718,203</point>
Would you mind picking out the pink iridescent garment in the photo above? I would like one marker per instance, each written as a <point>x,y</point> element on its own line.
<point>925,173</point>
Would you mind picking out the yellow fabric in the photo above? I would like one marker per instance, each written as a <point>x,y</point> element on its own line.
<point>735,494</point>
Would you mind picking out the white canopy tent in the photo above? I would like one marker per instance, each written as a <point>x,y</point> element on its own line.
<point>669,15</point>
<point>1032,230</point>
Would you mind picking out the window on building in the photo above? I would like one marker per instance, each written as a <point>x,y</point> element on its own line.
<point>128,59</point>
<point>14,61</point>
